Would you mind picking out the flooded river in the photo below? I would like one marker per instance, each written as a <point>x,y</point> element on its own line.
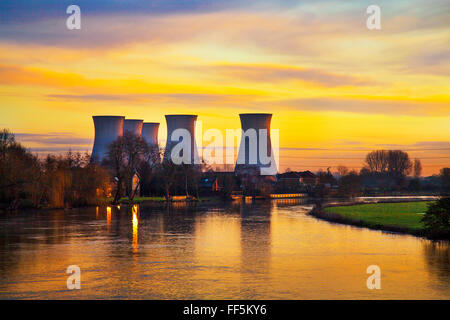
<point>261,250</point>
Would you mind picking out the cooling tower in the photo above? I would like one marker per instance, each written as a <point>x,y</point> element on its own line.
<point>133,126</point>
<point>150,136</point>
<point>181,121</point>
<point>107,130</point>
<point>250,152</point>
<point>150,132</point>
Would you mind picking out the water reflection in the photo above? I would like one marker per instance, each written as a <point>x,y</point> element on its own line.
<point>135,222</point>
<point>437,257</point>
<point>108,216</point>
<point>254,250</point>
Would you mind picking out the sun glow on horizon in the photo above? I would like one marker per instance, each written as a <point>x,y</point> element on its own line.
<point>336,89</point>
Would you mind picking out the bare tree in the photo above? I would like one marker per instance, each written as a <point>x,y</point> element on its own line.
<point>126,157</point>
<point>115,162</point>
<point>342,170</point>
<point>392,161</point>
<point>399,162</point>
<point>136,153</point>
<point>417,168</point>
<point>168,173</point>
<point>378,161</point>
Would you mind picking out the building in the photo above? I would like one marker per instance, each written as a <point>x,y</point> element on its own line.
<point>296,180</point>
<point>186,122</point>
<point>133,126</point>
<point>107,130</point>
<point>308,178</point>
<point>150,133</point>
<point>209,184</point>
<point>249,155</point>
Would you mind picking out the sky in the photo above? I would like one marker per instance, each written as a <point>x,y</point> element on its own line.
<point>336,89</point>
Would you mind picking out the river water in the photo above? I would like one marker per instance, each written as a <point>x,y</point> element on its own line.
<point>261,250</point>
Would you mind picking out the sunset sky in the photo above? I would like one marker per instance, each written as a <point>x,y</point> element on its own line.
<point>336,89</point>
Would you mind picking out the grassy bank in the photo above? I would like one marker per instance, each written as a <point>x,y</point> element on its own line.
<point>398,217</point>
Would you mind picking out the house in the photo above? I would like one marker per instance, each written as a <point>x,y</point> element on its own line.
<point>293,180</point>
<point>308,178</point>
<point>218,181</point>
<point>298,177</point>
<point>209,184</point>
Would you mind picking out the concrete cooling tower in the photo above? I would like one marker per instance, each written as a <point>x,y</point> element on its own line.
<point>150,132</point>
<point>249,156</point>
<point>180,121</point>
<point>133,126</point>
<point>150,136</point>
<point>107,130</point>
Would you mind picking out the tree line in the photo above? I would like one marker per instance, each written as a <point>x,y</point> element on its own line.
<point>133,167</point>
<point>55,181</point>
<point>386,171</point>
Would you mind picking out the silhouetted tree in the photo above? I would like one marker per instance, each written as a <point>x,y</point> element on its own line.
<point>20,172</point>
<point>127,158</point>
<point>378,161</point>
<point>136,152</point>
<point>445,179</point>
<point>417,168</point>
<point>399,162</point>
<point>342,170</point>
<point>115,161</point>
<point>350,185</point>
<point>437,219</point>
<point>168,173</point>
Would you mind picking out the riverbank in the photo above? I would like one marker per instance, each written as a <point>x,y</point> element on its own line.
<point>401,217</point>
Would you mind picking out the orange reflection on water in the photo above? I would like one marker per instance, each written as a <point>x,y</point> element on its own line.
<point>218,244</point>
<point>135,222</point>
<point>108,216</point>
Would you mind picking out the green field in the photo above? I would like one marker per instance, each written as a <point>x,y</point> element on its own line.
<point>405,214</point>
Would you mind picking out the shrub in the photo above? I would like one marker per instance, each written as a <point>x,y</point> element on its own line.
<point>437,219</point>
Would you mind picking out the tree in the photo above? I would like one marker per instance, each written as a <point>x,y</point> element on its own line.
<point>378,161</point>
<point>399,162</point>
<point>417,168</point>
<point>115,161</point>
<point>342,170</point>
<point>326,177</point>
<point>168,174</point>
<point>350,184</point>
<point>136,152</point>
<point>126,159</point>
<point>437,219</point>
<point>445,179</point>
<point>20,172</point>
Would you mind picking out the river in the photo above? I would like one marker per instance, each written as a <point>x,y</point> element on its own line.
<point>260,250</point>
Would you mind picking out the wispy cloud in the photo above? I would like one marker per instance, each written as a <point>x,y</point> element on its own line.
<point>369,105</point>
<point>166,98</point>
<point>280,73</point>
<point>53,138</point>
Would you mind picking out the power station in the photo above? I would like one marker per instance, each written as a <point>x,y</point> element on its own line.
<point>133,126</point>
<point>107,130</point>
<point>180,121</point>
<point>150,136</point>
<point>251,150</point>
<point>150,133</point>
<point>255,153</point>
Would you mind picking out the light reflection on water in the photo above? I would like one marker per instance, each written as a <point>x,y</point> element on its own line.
<point>236,251</point>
